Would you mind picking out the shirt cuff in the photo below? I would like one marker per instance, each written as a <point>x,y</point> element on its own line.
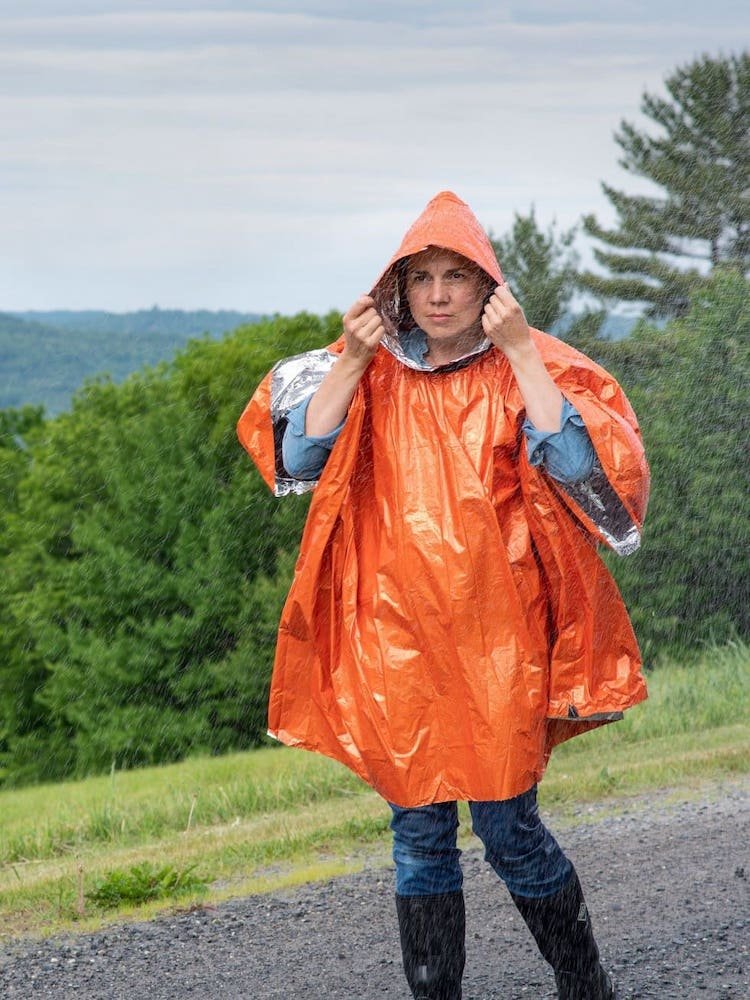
<point>567,454</point>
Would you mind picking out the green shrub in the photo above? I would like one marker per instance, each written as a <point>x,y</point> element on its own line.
<point>143,883</point>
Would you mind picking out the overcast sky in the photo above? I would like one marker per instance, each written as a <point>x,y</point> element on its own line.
<point>268,157</point>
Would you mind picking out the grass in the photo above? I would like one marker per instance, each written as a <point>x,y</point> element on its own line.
<point>207,829</point>
<point>128,807</point>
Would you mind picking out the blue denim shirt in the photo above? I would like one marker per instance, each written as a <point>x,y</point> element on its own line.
<point>567,454</point>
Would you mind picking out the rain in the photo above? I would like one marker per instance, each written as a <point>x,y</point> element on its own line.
<point>374,491</point>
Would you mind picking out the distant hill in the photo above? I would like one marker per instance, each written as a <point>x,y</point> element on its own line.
<point>45,356</point>
<point>144,322</point>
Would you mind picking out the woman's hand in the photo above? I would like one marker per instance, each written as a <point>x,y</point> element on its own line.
<point>363,331</point>
<point>504,323</point>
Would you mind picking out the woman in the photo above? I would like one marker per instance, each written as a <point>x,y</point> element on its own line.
<point>450,620</point>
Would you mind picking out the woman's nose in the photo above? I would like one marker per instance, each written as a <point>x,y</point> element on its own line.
<point>438,291</point>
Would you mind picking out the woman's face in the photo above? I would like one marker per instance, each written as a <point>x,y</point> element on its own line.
<point>445,292</point>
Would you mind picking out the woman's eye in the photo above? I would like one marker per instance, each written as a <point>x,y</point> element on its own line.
<point>418,279</point>
<point>458,276</point>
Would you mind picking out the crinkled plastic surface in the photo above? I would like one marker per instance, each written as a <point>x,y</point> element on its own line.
<point>450,619</point>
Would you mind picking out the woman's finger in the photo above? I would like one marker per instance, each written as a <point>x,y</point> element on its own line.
<point>358,308</point>
<point>369,323</point>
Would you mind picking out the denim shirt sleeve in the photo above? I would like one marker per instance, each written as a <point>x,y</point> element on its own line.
<point>567,454</point>
<point>305,456</point>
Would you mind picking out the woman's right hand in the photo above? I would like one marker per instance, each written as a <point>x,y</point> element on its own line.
<point>363,331</point>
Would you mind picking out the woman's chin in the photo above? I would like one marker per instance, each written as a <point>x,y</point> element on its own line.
<point>445,334</point>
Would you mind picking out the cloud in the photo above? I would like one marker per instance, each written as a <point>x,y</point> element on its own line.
<point>269,157</point>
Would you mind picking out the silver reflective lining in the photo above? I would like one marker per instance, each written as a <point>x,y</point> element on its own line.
<point>292,381</point>
<point>602,505</point>
<point>393,345</point>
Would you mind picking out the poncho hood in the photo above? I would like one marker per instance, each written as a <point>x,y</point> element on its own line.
<point>448,223</point>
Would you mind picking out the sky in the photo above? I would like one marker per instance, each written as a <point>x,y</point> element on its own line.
<point>268,157</point>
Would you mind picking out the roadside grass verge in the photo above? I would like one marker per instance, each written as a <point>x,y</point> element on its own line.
<point>221,827</point>
<point>128,807</point>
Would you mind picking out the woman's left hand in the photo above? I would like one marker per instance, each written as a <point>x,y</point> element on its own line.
<point>504,323</point>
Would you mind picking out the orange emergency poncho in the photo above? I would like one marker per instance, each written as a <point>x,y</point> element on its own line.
<point>450,619</point>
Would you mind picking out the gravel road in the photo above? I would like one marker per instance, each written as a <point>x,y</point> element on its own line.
<point>666,880</point>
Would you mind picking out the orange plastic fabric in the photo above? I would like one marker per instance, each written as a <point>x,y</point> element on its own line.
<point>448,222</point>
<point>450,619</point>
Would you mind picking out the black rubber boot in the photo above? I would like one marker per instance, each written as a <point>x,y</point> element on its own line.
<point>432,932</point>
<point>562,929</point>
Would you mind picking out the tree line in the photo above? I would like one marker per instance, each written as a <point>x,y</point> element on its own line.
<point>143,563</point>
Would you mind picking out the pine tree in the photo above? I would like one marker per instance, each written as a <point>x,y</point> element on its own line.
<point>540,268</point>
<point>701,218</point>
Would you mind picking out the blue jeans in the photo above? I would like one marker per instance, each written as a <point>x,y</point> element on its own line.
<point>517,844</point>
